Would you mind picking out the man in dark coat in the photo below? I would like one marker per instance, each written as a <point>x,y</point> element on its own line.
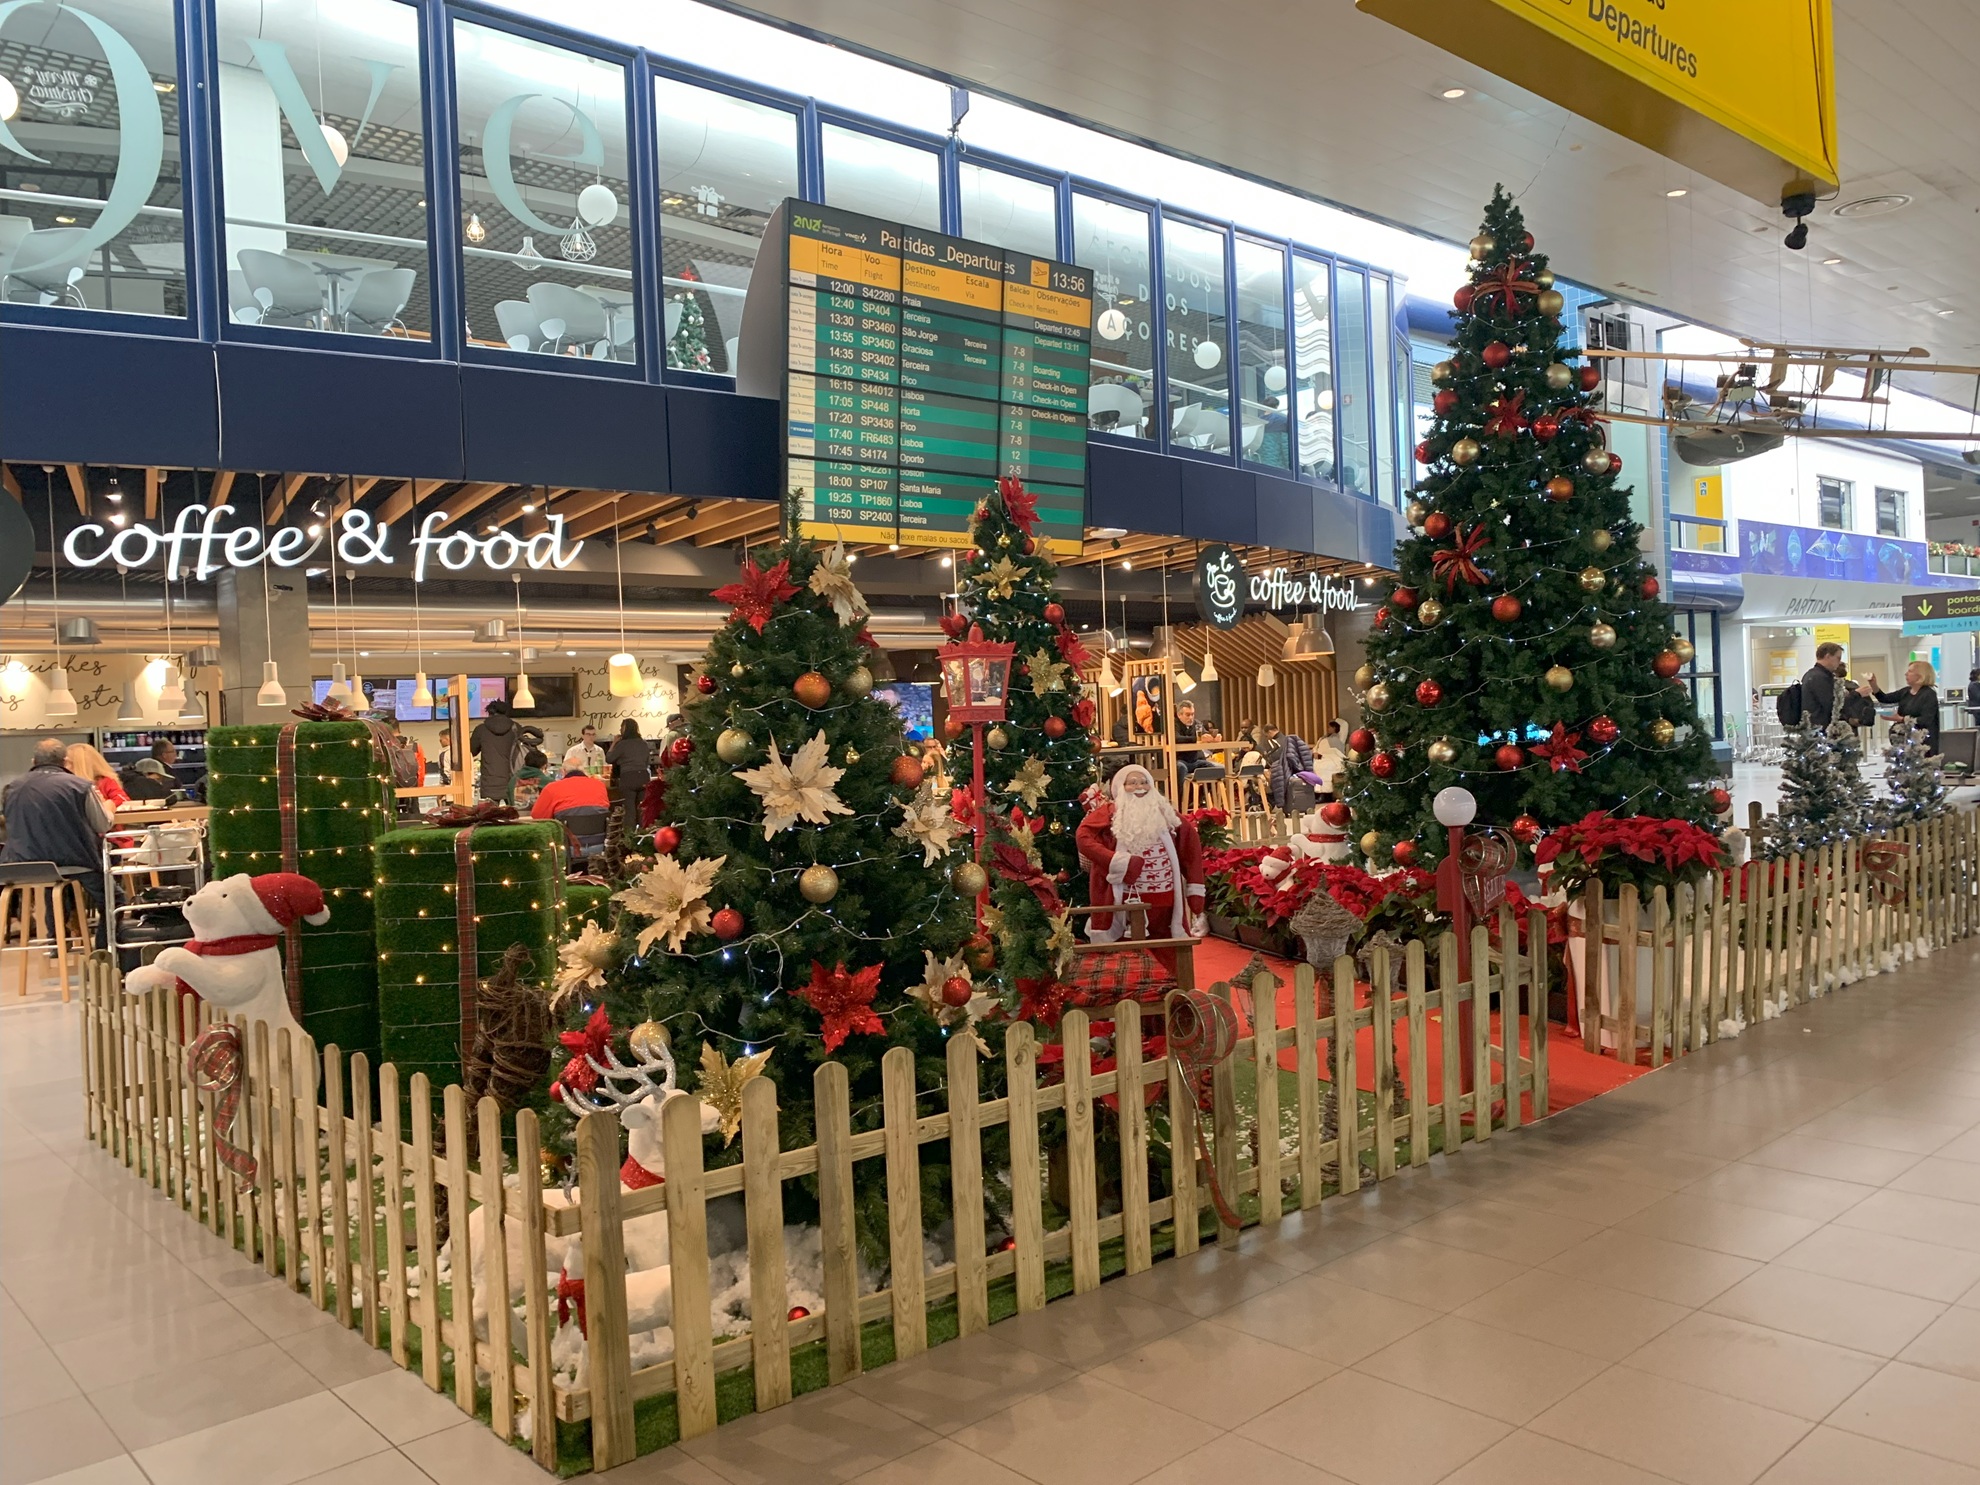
<point>54,815</point>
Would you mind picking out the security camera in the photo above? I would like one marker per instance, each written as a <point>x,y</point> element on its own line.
<point>1797,204</point>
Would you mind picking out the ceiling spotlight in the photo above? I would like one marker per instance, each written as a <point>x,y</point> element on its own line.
<point>117,516</point>
<point>571,653</point>
<point>1127,565</point>
<point>1797,205</point>
<point>948,561</point>
<point>893,546</point>
<point>1830,262</point>
<point>314,529</point>
<point>1945,311</point>
<point>116,490</point>
<point>1453,92</point>
<point>1680,191</point>
<point>529,507</point>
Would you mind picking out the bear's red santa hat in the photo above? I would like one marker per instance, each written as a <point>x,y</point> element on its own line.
<point>283,897</point>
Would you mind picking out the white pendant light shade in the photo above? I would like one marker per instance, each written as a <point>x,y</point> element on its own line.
<point>1107,678</point>
<point>1267,677</point>
<point>358,698</point>
<point>171,695</point>
<point>192,711</point>
<point>128,710</point>
<point>340,685</point>
<point>1209,667</point>
<point>61,700</point>
<point>523,697</point>
<point>1185,682</point>
<point>623,675</point>
<point>271,692</point>
<point>422,693</point>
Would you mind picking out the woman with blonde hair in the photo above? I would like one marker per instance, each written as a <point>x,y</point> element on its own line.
<point>1918,700</point>
<point>86,763</point>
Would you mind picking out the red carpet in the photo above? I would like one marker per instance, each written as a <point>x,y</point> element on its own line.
<point>1573,1075</point>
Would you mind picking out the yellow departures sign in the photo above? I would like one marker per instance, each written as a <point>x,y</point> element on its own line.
<point>1742,91</point>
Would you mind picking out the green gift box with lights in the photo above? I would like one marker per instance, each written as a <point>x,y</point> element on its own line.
<point>586,902</point>
<point>341,802</point>
<point>505,883</point>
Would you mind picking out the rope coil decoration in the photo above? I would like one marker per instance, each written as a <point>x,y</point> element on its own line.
<point>1203,1032</point>
<point>214,1063</point>
<point>1882,862</point>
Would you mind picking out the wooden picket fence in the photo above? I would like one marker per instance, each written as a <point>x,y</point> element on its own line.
<point>345,1205</point>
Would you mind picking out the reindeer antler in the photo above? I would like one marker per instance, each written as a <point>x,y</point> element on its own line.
<point>596,1079</point>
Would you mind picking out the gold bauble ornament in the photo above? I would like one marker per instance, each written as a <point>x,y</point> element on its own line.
<point>1602,636</point>
<point>1466,451</point>
<point>1592,579</point>
<point>648,1040</point>
<point>1662,732</point>
<point>860,682</point>
<point>1371,843</point>
<point>1378,697</point>
<point>1559,678</point>
<point>1364,677</point>
<point>1560,376</point>
<point>1442,372</point>
<point>1596,461</point>
<point>997,740</point>
<point>739,670</point>
<point>1684,649</point>
<point>1550,301</point>
<point>1482,246</point>
<point>819,883</point>
<point>1416,512</point>
<point>1443,751</point>
<point>970,879</point>
<point>1057,827</point>
<point>1429,612</point>
<point>733,745</point>
<point>852,754</point>
<point>1544,278</point>
<point>1601,538</point>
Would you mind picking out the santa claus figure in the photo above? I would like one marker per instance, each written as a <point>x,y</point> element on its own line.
<point>1137,849</point>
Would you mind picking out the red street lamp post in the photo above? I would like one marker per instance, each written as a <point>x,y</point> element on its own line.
<point>976,678</point>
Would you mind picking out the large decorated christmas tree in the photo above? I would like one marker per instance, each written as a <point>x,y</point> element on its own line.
<point>1523,651</point>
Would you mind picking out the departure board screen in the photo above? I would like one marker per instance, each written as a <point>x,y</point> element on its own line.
<point>918,369</point>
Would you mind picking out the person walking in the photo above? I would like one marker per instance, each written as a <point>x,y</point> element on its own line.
<point>629,762</point>
<point>1818,686</point>
<point>498,743</point>
<point>54,815</point>
<point>1917,699</point>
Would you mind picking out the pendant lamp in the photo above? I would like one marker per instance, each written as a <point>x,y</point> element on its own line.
<point>1209,667</point>
<point>61,700</point>
<point>193,713</point>
<point>422,693</point>
<point>1267,676</point>
<point>622,675</point>
<point>128,709</point>
<point>340,685</point>
<point>171,695</point>
<point>271,692</point>
<point>523,697</point>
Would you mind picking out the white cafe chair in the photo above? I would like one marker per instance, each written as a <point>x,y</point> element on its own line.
<point>380,295</point>
<point>48,266</point>
<point>582,317</point>
<point>518,323</point>
<point>289,293</point>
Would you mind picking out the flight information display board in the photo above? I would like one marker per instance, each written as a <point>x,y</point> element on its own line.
<point>918,368</point>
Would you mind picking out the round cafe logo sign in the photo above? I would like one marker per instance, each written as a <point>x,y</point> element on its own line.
<point>1220,584</point>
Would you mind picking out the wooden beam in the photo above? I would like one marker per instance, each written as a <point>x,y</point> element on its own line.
<point>12,484</point>
<point>280,498</point>
<point>632,510</point>
<point>585,502</point>
<point>470,498</point>
<point>400,501</point>
<point>80,486</point>
<point>216,494</point>
<point>154,479</point>
<point>757,516</point>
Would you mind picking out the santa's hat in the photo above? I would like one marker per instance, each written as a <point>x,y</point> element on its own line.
<point>285,896</point>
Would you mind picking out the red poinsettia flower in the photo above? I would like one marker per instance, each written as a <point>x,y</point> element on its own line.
<point>1042,1002</point>
<point>594,1041</point>
<point>1021,821</point>
<point>1084,712</point>
<point>1013,865</point>
<point>845,1000</point>
<point>962,807</point>
<point>1560,750</point>
<point>755,596</point>
<point>1070,649</point>
<point>1021,504</point>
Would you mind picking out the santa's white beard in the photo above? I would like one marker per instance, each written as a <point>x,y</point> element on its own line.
<point>1141,821</point>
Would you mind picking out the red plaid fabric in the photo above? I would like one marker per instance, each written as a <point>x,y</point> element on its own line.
<point>1125,973</point>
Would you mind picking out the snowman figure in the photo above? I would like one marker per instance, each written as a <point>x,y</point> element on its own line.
<point>235,960</point>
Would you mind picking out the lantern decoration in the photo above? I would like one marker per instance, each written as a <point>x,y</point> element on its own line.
<point>976,678</point>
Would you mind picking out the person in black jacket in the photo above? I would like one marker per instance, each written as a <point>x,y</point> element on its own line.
<point>1818,687</point>
<point>1918,700</point>
<point>148,778</point>
<point>53,815</point>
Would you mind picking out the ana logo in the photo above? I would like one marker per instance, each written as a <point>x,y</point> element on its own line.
<point>1219,586</point>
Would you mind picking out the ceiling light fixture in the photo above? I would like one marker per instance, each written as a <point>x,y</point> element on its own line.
<point>1831,262</point>
<point>1677,192</point>
<point>523,697</point>
<point>622,671</point>
<point>422,693</point>
<point>1453,92</point>
<point>271,693</point>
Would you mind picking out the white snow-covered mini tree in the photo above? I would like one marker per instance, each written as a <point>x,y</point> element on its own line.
<point>1913,778</point>
<point>1823,796</point>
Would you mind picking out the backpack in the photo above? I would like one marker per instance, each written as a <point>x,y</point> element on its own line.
<point>1788,705</point>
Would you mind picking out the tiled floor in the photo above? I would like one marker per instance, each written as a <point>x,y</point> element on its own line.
<point>1761,1264</point>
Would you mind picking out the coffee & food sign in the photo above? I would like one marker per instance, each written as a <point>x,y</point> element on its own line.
<point>1225,587</point>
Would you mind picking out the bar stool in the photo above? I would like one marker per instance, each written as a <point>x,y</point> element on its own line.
<point>1204,789</point>
<point>1251,796</point>
<point>45,899</point>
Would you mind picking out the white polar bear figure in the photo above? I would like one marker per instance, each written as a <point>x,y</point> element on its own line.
<point>234,960</point>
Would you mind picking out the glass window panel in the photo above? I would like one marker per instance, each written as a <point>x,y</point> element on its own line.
<point>1357,443</point>
<point>1198,337</point>
<point>546,215</point>
<point>323,165</point>
<point>1384,485</point>
<point>883,178</point>
<point>1313,360</point>
<point>1262,389</point>
<point>725,164</point>
<point>1112,240</point>
<point>1009,210</point>
<point>89,163</point>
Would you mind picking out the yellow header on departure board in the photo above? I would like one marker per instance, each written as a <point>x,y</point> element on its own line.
<point>1741,92</point>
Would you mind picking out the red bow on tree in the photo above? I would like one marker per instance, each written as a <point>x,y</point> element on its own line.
<point>1587,417</point>
<point>1013,865</point>
<point>1455,564</point>
<point>322,711</point>
<point>1019,503</point>
<point>1506,283</point>
<point>1560,750</point>
<point>1042,1002</point>
<point>1084,711</point>
<point>962,808</point>
<point>1505,418</point>
<point>1022,821</point>
<point>1070,649</point>
<point>844,1000</point>
<point>756,595</point>
<point>592,1042</point>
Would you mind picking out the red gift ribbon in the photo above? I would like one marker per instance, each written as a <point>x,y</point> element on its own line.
<point>214,1063</point>
<point>1455,562</point>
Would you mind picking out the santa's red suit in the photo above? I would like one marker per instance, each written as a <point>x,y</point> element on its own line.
<point>1137,849</point>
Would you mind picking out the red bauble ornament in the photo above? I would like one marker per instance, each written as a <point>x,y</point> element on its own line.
<point>1462,298</point>
<point>1506,608</point>
<point>1403,853</point>
<point>1667,664</point>
<point>1382,765</point>
<point>1591,378</point>
<point>1381,616</point>
<point>1361,740</point>
<point>1615,463</point>
<point>980,953</point>
<point>1603,730</point>
<point>1030,545</point>
<point>1403,597</point>
<point>1436,525</point>
<point>1428,693</point>
<point>705,684</point>
<point>907,772</point>
<point>1508,757</point>
<point>951,728</point>
<point>1526,830</point>
<point>812,689</point>
<point>1423,453</point>
<point>727,923</point>
<point>1560,488</point>
<point>1545,427</point>
<point>1526,242</point>
<point>1443,402</point>
<point>1336,813</point>
<point>1054,614</point>
<point>799,1312</point>
<point>1055,728</point>
<point>953,624</point>
<point>678,752</point>
<point>1650,587</point>
<point>1719,799</point>
<point>1497,355</point>
<point>956,990</point>
<point>665,839</point>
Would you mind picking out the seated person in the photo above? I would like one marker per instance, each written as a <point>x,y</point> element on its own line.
<point>575,790</point>
<point>1189,760</point>
<point>148,779</point>
<point>530,778</point>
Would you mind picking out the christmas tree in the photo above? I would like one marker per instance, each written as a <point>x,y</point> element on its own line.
<point>1823,796</point>
<point>799,901</point>
<point>688,350</point>
<point>1913,778</point>
<point>1522,652</point>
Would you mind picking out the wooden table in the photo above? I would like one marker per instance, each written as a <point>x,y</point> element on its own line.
<point>164,814</point>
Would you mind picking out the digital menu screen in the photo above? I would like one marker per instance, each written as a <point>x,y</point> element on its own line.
<point>918,369</point>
